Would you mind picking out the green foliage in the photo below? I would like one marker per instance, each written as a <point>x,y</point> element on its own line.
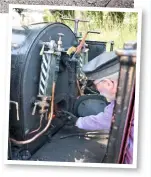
<point>117,26</point>
<point>56,15</point>
<point>96,17</point>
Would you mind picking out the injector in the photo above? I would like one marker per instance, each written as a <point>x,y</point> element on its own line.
<point>49,73</point>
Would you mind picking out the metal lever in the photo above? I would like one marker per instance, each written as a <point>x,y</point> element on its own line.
<point>34,109</point>
<point>71,19</point>
<point>76,22</point>
<point>17,108</point>
<point>96,32</point>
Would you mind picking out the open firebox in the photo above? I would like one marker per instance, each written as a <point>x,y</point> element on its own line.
<point>50,87</point>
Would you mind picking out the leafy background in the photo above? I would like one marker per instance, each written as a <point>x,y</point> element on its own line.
<point>117,26</point>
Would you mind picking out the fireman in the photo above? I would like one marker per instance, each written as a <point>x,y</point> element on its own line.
<point>107,87</point>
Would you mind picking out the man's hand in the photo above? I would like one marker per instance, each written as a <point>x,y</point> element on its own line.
<point>72,120</point>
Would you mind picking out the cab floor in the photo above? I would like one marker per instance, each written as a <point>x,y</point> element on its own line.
<point>72,149</point>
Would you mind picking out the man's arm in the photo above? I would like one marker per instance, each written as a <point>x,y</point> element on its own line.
<point>101,121</point>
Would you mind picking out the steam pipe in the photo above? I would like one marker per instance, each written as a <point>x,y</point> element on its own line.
<point>47,126</point>
<point>36,130</point>
<point>80,92</point>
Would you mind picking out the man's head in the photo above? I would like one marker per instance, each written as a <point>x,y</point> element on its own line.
<point>107,86</point>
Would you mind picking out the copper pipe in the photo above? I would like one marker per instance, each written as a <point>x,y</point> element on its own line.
<point>81,43</point>
<point>47,126</point>
<point>36,130</point>
<point>43,106</point>
<point>41,118</point>
<point>79,88</point>
<point>79,47</point>
<point>52,102</point>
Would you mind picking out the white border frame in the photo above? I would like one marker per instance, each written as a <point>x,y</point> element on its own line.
<point>74,164</point>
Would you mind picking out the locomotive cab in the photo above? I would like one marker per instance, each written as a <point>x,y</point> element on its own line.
<point>45,95</point>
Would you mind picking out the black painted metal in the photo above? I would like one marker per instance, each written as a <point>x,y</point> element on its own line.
<point>111,45</point>
<point>95,48</point>
<point>25,72</point>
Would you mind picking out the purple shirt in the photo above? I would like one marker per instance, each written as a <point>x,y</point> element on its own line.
<point>102,121</point>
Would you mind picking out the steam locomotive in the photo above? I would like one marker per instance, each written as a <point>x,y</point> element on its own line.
<point>49,87</point>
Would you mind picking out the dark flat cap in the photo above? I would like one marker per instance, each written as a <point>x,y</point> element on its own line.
<point>102,66</point>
